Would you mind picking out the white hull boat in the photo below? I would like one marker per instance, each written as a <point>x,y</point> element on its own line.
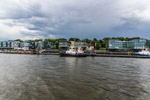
<point>74,52</point>
<point>145,52</point>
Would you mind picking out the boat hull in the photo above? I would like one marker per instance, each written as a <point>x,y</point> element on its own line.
<point>144,54</point>
<point>73,55</point>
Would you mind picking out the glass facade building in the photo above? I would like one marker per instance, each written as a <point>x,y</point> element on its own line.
<point>128,45</point>
<point>28,45</point>
<point>5,44</point>
<point>44,45</point>
<point>25,44</point>
<point>116,44</point>
<point>9,44</point>
<point>138,44</point>
<point>1,45</point>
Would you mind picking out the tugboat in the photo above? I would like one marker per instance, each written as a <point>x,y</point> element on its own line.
<point>144,52</point>
<point>74,52</point>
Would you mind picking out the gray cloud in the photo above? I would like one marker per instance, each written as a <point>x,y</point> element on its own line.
<point>73,18</point>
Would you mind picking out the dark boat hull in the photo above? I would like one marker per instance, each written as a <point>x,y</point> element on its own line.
<point>72,55</point>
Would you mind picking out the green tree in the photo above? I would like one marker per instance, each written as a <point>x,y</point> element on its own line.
<point>87,40</point>
<point>62,39</point>
<point>105,41</point>
<point>49,40</point>
<point>37,40</point>
<point>56,44</point>
<point>19,40</point>
<point>74,39</point>
<point>94,39</point>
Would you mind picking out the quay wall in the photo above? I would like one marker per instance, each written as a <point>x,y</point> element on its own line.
<point>98,53</point>
<point>46,52</point>
<point>111,52</point>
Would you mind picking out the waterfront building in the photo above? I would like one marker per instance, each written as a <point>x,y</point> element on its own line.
<point>91,47</point>
<point>26,46</point>
<point>32,45</point>
<point>48,45</point>
<point>117,45</point>
<point>9,44</point>
<point>139,44</point>
<point>64,45</point>
<point>16,45</point>
<point>81,44</point>
<point>41,45</point>
<point>44,45</point>
<point>1,44</point>
<point>5,45</point>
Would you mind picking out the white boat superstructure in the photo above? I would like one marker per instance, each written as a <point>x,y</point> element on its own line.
<point>145,52</point>
<point>74,51</point>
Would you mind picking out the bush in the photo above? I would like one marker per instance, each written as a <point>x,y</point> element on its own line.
<point>102,48</point>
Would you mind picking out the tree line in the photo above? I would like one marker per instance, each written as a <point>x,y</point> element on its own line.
<point>100,44</point>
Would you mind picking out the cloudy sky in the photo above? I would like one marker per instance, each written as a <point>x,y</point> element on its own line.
<point>32,19</point>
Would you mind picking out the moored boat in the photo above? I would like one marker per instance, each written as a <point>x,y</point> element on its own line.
<point>74,52</point>
<point>144,52</point>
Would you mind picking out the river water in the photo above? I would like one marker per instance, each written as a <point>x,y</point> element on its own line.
<point>48,77</point>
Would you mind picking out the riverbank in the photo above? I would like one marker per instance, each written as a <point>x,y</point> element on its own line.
<point>97,54</point>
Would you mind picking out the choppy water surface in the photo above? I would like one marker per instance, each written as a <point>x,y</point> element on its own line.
<point>47,77</point>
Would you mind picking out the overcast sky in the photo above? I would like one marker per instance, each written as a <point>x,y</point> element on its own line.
<point>32,19</point>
